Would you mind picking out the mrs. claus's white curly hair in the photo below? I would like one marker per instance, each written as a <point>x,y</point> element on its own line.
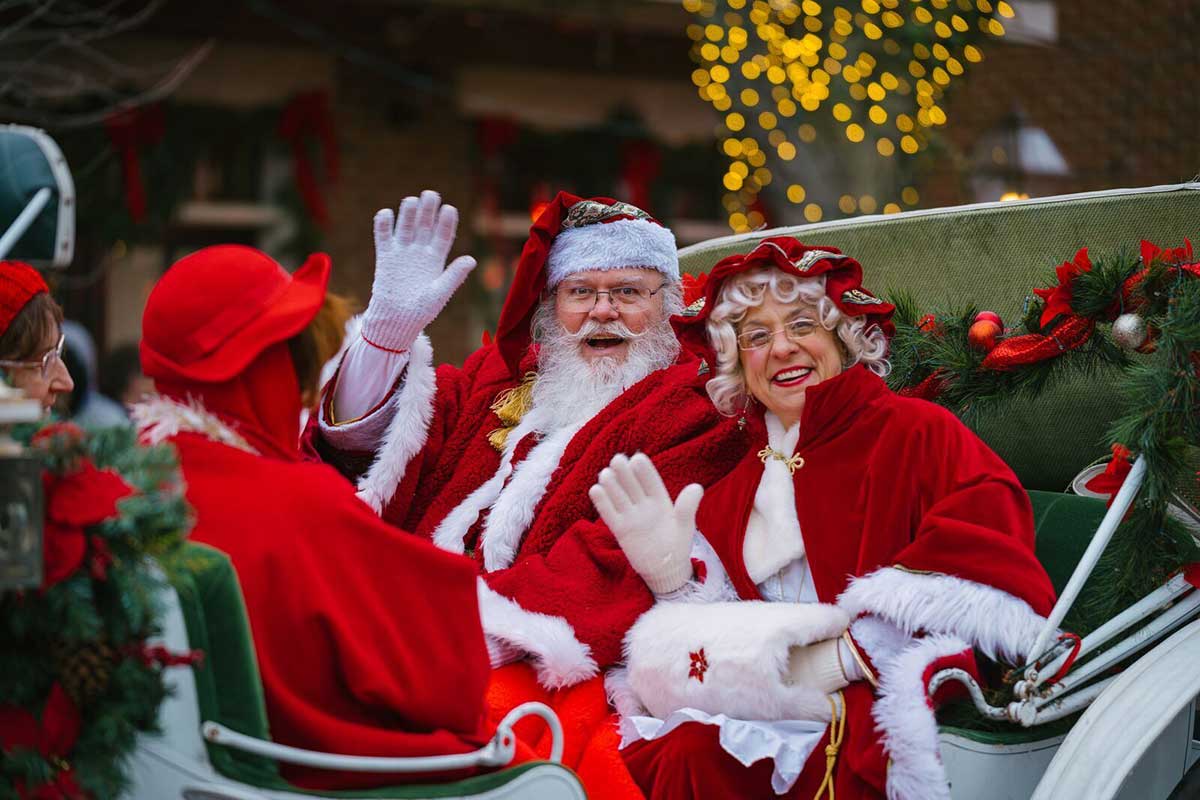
<point>746,291</point>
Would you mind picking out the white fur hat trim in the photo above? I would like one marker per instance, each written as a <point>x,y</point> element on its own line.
<point>619,244</point>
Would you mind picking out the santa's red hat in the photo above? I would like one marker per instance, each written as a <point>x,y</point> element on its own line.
<point>571,235</point>
<point>215,310</point>
<point>19,283</point>
<point>843,286</point>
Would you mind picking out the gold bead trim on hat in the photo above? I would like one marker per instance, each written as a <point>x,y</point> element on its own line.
<point>860,298</point>
<point>805,262</point>
<point>589,212</point>
<point>794,463</point>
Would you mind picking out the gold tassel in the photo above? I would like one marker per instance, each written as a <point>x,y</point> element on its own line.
<point>837,729</point>
<point>511,406</point>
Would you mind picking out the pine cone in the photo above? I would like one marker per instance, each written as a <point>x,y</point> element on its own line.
<point>84,669</point>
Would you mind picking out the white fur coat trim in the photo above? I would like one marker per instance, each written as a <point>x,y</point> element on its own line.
<point>559,657</point>
<point>450,532</point>
<point>408,431</point>
<point>729,658</point>
<point>1003,626</point>
<point>512,513</point>
<point>904,715</point>
<point>158,418</point>
<point>613,245</point>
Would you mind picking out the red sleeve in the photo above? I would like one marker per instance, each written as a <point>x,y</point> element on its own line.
<point>976,521</point>
<point>585,579</point>
<point>582,575</point>
<point>369,640</point>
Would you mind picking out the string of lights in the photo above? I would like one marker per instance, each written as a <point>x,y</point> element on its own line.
<point>785,72</point>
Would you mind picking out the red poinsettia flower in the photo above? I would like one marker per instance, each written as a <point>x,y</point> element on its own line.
<point>1058,298</point>
<point>1109,482</point>
<point>53,737</point>
<point>698,664</point>
<point>84,497</point>
<point>694,287</point>
<point>1170,255</point>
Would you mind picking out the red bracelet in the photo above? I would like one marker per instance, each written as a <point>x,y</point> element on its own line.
<point>381,347</point>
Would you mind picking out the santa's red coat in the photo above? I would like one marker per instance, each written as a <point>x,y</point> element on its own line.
<point>356,653</point>
<point>573,593</point>
<point>906,515</point>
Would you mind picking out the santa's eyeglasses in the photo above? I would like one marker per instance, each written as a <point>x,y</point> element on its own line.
<point>47,362</point>
<point>581,298</point>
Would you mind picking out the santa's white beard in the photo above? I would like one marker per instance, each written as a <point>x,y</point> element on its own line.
<point>571,389</point>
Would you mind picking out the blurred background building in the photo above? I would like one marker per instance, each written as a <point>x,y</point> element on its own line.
<point>287,124</point>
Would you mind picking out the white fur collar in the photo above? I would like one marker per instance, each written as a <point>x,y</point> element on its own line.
<point>773,537</point>
<point>159,418</point>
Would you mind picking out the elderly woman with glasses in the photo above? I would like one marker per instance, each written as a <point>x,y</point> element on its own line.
<point>864,541</point>
<point>31,337</point>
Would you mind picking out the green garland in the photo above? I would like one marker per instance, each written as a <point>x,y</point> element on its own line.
<point>933,357</point>
<point>73,654</point>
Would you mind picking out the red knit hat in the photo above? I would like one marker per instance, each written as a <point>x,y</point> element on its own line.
<point>215,310</point>
<point>19,283</point>
<point>576,235</point>
<point>843,286</point>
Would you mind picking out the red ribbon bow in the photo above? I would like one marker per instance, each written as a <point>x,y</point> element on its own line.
<point>1034,347</point>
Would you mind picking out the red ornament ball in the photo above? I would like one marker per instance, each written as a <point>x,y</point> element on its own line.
<point>990,316</point>
<point>982,335</point>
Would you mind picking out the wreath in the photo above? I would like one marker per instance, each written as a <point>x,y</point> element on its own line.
<point>78,680</point>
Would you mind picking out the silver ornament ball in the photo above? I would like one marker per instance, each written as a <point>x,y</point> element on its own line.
<point>1129,331</point>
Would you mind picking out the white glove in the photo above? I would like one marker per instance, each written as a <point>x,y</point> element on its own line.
<point>412,281</point>
<point>821,665</point>
<point>655,534</point>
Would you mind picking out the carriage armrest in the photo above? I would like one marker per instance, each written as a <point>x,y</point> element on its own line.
<point>497,752</point>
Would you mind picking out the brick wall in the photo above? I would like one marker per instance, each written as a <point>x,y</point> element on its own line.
<point>1117,94</point>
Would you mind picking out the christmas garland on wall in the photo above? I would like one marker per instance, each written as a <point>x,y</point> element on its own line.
<point>1097,313</point>
<point>77,679</point>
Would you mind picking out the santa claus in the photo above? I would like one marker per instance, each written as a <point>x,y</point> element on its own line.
<point>495,458</point>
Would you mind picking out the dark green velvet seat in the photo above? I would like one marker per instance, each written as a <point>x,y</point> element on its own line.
<point>229,690</point>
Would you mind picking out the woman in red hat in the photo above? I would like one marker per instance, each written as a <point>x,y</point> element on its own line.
<point>351,659</point>
<point>887,540</point>
<point>31,338</point>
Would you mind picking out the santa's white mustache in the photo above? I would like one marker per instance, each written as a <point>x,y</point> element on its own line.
<point>591,329</point>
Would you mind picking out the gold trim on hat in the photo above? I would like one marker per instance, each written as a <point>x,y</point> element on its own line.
<point>805,262</point>
<point>589,212</point>
<point>860,298</point>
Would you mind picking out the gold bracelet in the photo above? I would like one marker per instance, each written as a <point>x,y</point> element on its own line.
<point>862,663</point>
<point>841,666</point>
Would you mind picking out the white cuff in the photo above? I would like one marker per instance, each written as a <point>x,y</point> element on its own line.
<point>365,379</point>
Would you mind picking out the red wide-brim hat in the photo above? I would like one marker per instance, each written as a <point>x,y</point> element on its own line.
<point>843,286</point>
<point>215,310</point>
